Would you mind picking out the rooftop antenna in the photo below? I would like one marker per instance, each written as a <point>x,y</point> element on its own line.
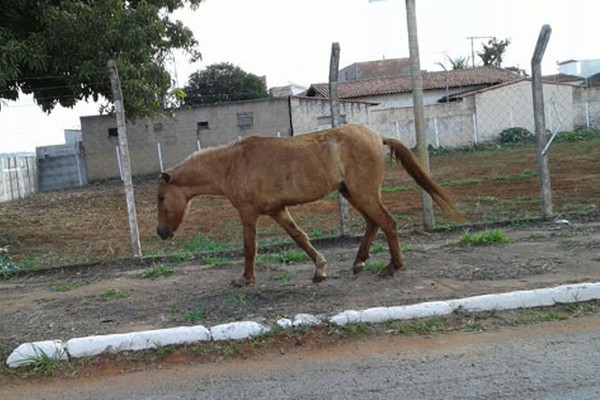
<point>472,38</point>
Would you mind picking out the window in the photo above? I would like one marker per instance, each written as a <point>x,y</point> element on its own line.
<point>245,119</point>
<point>201,126</point>
<point>113,132</point>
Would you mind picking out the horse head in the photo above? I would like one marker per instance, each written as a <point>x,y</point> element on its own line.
<point>172,206</point>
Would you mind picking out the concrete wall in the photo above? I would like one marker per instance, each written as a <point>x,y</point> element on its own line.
<point>179,134</point>
<point>512,106</point>
<point>446,124</point>
<point>586,102</point>
<point>310,114</point>
<point>60,167</point>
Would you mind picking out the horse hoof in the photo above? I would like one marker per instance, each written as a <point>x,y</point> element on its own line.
<point>387,272</point>
<point>357,269</point>
<point>319,278</point>
<point>241,282</point>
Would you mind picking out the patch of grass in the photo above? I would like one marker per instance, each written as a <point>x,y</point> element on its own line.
<point>215,260</point>
<point>577,135</point>
<point>375,267</point>
<point>283,257</point>
<point>396,189</point>
<point>427,326</point>
<point>282,276</point>
<point>201,243</point>
<point>158,271</point>
<point>114,293</point>
<point>195,315</point>
<point>351,330</point>
<point>486,238</point>
<point>43,363</point>
<point>65,287</point>
<point>529,317</point>
<point>7,265</point>
<point>230,348</point>
<point>582,309</point>
<point>459,182</point>
<point>523,175</point>
<point>317,234</point>
<point>378,248</point>
<point>291,256</point>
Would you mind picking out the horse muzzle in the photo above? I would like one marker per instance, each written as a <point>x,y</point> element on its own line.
<point>164,233</point>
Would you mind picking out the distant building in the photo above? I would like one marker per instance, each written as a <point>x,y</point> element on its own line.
<point>582,68</point>
<point>375,69</point>
<point>396,91</point>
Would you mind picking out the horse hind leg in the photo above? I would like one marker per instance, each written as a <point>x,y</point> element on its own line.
<point>284,219</point>
<point>371,207</point>
<point>367,240</point>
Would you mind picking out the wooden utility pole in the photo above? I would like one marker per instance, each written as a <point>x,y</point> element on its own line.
<point>115,84</point>
<point>539,118</point>
<point>419,113</point>
<point>334,102</point>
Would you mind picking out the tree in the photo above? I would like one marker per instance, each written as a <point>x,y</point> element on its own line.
<point>223,82</point>
<point>58,50</point>
<point>459,62</point>
<point>492,52</point>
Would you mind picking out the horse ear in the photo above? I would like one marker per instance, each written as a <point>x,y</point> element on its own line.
<point>165,178</point>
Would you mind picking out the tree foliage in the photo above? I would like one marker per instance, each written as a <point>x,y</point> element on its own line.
<point>459,62</point>
<point>223,82</point>
<point>58,50</point>
<point>493,52</point>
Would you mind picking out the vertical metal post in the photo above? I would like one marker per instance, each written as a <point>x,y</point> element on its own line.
<point>540,119</point>
<point>115,84</point>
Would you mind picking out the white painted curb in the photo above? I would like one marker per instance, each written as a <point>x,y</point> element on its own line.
<point>237,330</point>
<point>93,345</point>
<point>489,302</point>
<point>28,353</point>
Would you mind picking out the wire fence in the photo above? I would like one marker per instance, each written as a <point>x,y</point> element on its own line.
<point>80,218</point>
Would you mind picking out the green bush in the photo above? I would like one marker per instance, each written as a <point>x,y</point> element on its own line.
<point>516,135</point>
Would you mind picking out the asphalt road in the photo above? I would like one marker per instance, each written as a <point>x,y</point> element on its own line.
<point>555,360</point>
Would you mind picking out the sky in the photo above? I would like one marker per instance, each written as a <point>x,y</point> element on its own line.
<point>289,42</point>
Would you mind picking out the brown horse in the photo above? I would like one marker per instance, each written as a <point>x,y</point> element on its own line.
<point>265,175</point>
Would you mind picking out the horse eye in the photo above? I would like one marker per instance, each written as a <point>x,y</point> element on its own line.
<point>161,197</point>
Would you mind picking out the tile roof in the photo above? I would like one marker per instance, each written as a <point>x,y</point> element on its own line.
<point>485,76</point>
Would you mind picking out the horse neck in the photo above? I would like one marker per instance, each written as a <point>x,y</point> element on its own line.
<point>201,173</point>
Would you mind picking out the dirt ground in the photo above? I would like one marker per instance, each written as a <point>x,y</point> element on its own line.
<point>88,286</point>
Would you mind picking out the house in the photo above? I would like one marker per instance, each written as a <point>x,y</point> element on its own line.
<point>396,91</point>
<point>159,143</point>
<point>582,68</point>
<point>375,69</point>
<point>462,108</point>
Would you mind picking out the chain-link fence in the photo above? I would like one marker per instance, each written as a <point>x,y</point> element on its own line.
<point>90,223</point>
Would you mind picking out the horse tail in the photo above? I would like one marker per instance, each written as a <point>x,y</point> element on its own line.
<point>411,165</point>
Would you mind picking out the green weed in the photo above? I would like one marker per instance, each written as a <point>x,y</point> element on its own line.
<point>281,276</point>
<point>195,315</point>
<point>158,271</point>
<point>114,293</point>
<point>351,330</point>
<point>486,238</point>
<point>65,287</point>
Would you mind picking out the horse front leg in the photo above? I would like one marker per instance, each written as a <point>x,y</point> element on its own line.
<point>249,222</point>
<point>284,219</point>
